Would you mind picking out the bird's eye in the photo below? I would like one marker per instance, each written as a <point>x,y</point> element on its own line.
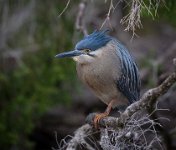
<point>87,50</point>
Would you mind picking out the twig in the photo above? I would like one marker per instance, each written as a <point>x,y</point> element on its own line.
<point>79,19</point>
<point>133,18</point>
<point>68,2</point>
<point>79,138</point>
<point>111,7</point>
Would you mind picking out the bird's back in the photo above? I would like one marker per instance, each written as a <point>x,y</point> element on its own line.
<point>129,81</point>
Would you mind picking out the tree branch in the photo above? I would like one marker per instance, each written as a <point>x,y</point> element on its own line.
<point>79,19</point>
<point>79,138</point>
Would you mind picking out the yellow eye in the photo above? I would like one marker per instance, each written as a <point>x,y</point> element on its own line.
<point>87,50</point>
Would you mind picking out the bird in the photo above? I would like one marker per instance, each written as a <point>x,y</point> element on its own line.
<point>106,66</point>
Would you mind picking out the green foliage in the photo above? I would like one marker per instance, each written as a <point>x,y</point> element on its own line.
<point>165,10</point>
<point>168,11</point>
<point>39,81</point>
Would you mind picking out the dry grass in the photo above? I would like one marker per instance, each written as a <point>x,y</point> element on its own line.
<point>133,19</point>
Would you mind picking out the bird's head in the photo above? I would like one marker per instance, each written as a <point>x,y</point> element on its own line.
<point>87,49</point>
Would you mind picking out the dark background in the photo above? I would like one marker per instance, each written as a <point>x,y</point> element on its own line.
<point>41,97</point>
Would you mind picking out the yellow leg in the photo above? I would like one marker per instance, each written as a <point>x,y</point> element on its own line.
<point>103,115</point>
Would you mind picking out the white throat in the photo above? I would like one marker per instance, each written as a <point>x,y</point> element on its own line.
<point>97,54</point>
<point>85,59</point>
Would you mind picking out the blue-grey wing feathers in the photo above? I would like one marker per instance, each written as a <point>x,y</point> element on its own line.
<point>129,81</point>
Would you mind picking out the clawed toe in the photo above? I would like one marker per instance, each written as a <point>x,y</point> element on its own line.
<point>97,119</point>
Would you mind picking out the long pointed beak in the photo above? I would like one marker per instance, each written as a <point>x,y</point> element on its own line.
<point>69,54</point>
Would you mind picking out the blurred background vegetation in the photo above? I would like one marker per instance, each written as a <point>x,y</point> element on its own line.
<point>32,81</point>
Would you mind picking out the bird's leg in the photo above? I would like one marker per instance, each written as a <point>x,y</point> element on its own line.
<point>103,115</point>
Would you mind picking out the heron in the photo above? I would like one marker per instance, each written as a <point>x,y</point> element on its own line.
<point>105,65</point>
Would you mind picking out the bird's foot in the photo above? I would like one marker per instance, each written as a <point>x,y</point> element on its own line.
<point>98,117</point>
